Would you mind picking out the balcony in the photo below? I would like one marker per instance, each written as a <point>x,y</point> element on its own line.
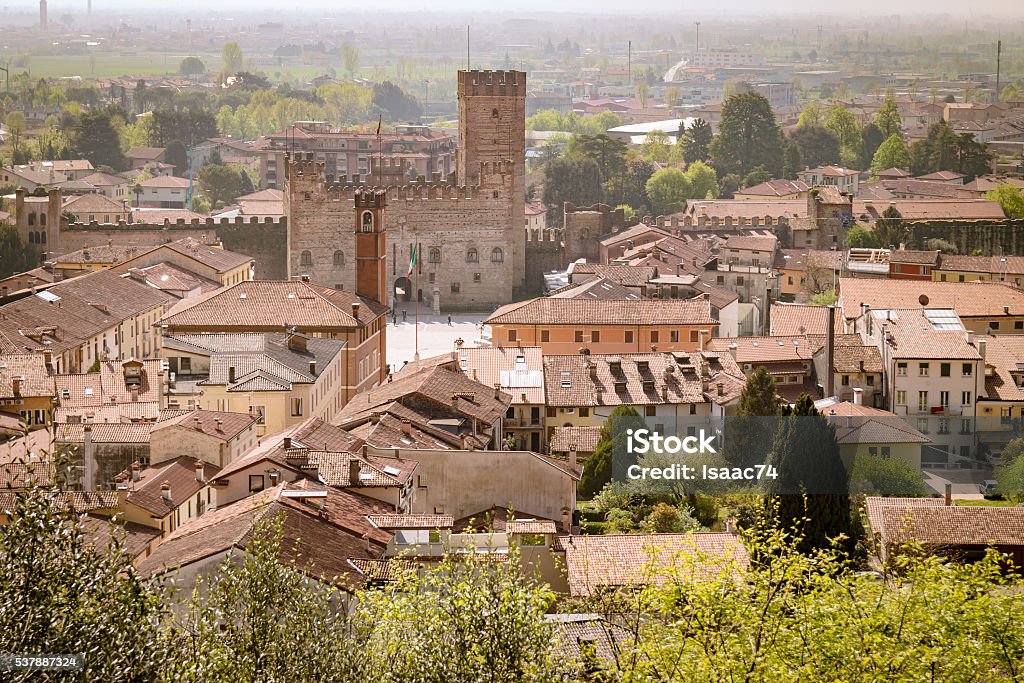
<point>520,423</point>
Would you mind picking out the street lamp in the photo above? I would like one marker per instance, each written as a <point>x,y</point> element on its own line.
<point>426,96</point>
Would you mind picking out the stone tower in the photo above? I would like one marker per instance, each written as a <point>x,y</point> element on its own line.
<point>492,128</point>
<point>370,247</point>
<point>42,14</point>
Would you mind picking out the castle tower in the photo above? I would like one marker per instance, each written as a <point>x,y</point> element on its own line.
<point>492,129</point>
<point>371,252</point>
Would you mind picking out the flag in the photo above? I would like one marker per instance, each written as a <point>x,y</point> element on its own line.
<point>412,263</point>
<point>379,119</point>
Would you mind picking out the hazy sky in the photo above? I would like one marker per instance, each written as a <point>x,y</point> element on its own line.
<point>975,8</point>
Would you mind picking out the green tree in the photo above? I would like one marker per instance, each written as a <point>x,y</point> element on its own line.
<point>655,147</point>
<point>888,118</point>
<point>63,594</point>
<point>893,153</point>
<point>703,181</point>
<point>668,189</point>
<point>643,91</point>
<point>696,141</point>
<point>232,58</point>
<point>220,184</point>
<point>793,161</point>
<point>597,471</point>
<point>757,176</point>
<point>875,475</point>
<point>861,237</point>
<point>809,497</point>
<point>96,139</point>
<point>570,180</point>
<point>729,184</point>
<point>889,230</point>
<point>192,66</point>
<point>749,435</point>
<point>667,519</point>
<point>1011,198</point>
<point>870,140</point>
<point>843,123</point>
<point>14,123</point>
<point>818,145</point>
<point>350,59</point>
<point>812,115</point>
<point>15,255</point>
<point>608,152</point>
<point>748,136</point>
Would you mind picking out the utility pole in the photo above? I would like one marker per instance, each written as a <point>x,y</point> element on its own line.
<point>697,49</point>
<point>999,56</point>
<point>629,63</point>
<point>7,76</point>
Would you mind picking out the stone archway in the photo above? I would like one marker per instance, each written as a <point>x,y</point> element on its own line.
<point>403,289</point>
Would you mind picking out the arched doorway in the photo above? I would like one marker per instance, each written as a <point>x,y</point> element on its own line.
<point>403,289</point>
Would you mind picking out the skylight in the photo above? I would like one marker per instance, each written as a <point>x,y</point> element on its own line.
<point>393,471</point>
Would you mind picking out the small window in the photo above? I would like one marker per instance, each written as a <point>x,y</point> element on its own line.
<point>296,406</point>
<point>1018,325</point>
<point>655,337</point>
<point>512,335</point>
<point>497,255</point>
<point>494,113</point>
<point>923,370</point>
<point>545,335</point>
<point>456,288</point>
<point>434,255</point>
<point>627,336</point>
<point>367,224</point>
<point>650,411</point>
<point>477,278</point>
<point>306,259</point>
<point>901,369</point>
<point>595,336</point>
<point>339,258</point>
<point>994,325</point>
<point>472,255</point>
<point>579,336</point>
<point>846,380</point>
<point>944,369</point>
<point>968,370</point>
<point>584,412</point>
<point>673,336</point>
<point>255,483</point>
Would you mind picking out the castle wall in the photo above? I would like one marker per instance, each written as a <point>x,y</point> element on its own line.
<point>545,252</point>
<point>585,226</point>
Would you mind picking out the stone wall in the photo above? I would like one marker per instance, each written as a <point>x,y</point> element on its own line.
<point>585,226</point>
<point>545,251</point>
<point>988,236</point>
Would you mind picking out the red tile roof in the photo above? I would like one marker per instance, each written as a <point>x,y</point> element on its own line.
<point>546,311</point>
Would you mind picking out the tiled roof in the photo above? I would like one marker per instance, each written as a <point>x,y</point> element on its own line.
<point>176,280</point>
<point>257,305</point>
<point>880,429</point>
<point>760,350</point>
<point>91,204</point>
<point>219,259</point>
<point>531,526</point>
<point>100,179</point>
<point>114,412</point>
<point>165,181</point>
<point>627,276</point>
<point>180,473</point>
<point>982,264</point>
<point>853,356</point>
<point>598,288</point>
<point>108,386</point>
<point>831,171</point>
<point>766,243</point>
<point>1003,357</point>
<point>519,370</point>
<point>399,427</point>
<point>23,475</point>
<point>77,501</point>
<point>146,152</point>
<point>30,366</point>
<point>952,525</point>
<point>776,188</point>
<point>926,258</point>
<point>968,299</point>
<point>912,335</point>
<point>218,424</point>
<point>104,432</point>
<point>100,531</point>
<point>634,233</point>
<point>319,541</point>
<point>792,320</point>
<point>412,521</point>
<point>99,254</point>
<point>546,311</point>
<point>334,469</point>
<point>584,439</point>
<point>619,379</point>
<point>932,209</point>
<point>594,562</point>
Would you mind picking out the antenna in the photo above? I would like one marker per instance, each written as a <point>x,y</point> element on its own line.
<point>467,48</point>
<point>629,62</point>
<point>999,56</point>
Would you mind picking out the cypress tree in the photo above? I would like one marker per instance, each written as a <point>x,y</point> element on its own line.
<point>749,435</point>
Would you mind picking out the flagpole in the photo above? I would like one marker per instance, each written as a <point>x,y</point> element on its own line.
<point>416,251</point>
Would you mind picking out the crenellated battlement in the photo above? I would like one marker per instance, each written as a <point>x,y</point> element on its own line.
<point>179,224</point>
<point>491,83</point>
<point>544,235</point>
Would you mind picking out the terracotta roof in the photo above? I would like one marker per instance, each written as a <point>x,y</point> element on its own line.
<point>180,473</point>
<point>166,181</point>
<point>109,386</point>
<point>99,254</point>
<point>531,526</point>
<point>176,280</point>
<point>399,427</point>
<point>880,429</point>
<point>221,260</point>
<point>619,379</point>
<point>92,204</point>
<point>259,305</point>
<point>801,259</point>
<point>1004,355</point>
<point>24,475</point>
<point>547,311</point>
<point>100,179</point>
<point>595,562</point>
<point>100,531</point>
<point>792,320</point>
<point>318,541</point>
<point>34,378</point>
<point>759,350</point>
<point>584,439</point>
<point>952,525</point>
<point>931,209</point>
<point>219,425</point>
<point>334,469</point>
<point>852,355</point>
<point>775,188</point>
<point>519,370</point>
<point>830,172</point>
<point>912,334</point>
<point>145,152</point>
<point>893,173</point>
<point>926,258</point>
<point>968,299</point>
<point>942,176</point>
<point>874,506</point>
<point>994,265</point>
<point>627,276</point>
<point>77,501</point>
<point>104,432</point>
<point>751,243</point>
<point>412,521</point>
<point>598,288</point>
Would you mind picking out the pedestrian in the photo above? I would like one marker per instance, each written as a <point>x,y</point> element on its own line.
<point>449,320</point>
<point>404,313</point>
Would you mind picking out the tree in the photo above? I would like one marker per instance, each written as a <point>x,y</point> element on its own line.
<point>1011,198</point>
<point>655,147</point>
<point>63,594</point>
<point>597,471</point>
<point>871,139</point>
<point>809,497</point>
<point>220,184</point>
<point>15,255</point>
<point>748,136</point>
<point>749,435</point>
<point>14,123</point>
<point>888,118</point>
<point>812,115</point>
<point>757,176</point>
<point>608,152</point>
<point>350,59</point>
<point>861,237</point>
<point>96,139</point>
<point>570,180</point>
<point>231,58</point>
<point>878,476</point>
<point>818,145</point>
<point>398,104</point>
<point>844,124</point>
<point>668,189</point>
<point>176,155</point>
<point>893,153</point>
<point>793,162</point>
<point>191,66</point>
<point>666,519</point>
<point>703,181</point>
<point>643,91</point>
<point>889,229</point>
<point>696,141</point>
<point>638,172</point>
<point>728,184</point>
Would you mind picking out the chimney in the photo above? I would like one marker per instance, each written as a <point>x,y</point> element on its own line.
<point>858,396</point>
<point>355,310</point>
<point>566,519</point>
<point>982,346</point>
<point>949,494</point>
<point>88,458</point>
<point>219,422</point>
<point>572,457</point>
<point>16,383</point>
<point>165,491</point>
<point>407,427</point>
<point>286,443</point>
<point>1006,310</point>
<point>199,470</point>
<point>353,472</point>
<point>969,336</point>
<point>497,391</point>
<point>830,353</point>
<point>231,374</point>
<point>312,367</point>
<point>48,359</point>
<point>133,390</point>
<point>720,388</point>
<point>136,470</point>
<point>732,349</point>
<point>197,423</point>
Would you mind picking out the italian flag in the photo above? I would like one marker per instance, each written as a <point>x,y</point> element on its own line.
<point>412,262</point>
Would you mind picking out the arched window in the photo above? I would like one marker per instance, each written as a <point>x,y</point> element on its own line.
<point>367,221</point>
<point>434,255</point>
<point>339,259</point>
<point>307,258</point>
<point>472,255</point>
<point>42,219</point>
<point>31,219</point>
<point>42,237</point>
<point>494,113</point>
<point>583,234</point>
<point>32,237</point>
<point>497,255</point>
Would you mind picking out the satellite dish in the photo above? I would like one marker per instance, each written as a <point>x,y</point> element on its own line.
<point>923,299</point>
